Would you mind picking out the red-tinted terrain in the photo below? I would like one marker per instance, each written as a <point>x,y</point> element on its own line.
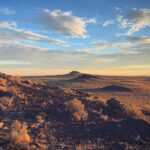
<point>74,112</point>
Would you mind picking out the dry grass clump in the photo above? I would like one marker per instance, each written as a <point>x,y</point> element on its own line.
<point>101,102</point>
<point>1,125</point>
<point>5,103</point>
<point>66,91</point>
<point>77,109</point>
<point>41,117</point>
<point>89,98</point>
<point>133,111</point>
<point>103,117</point>
<point>3,89</point>
<point>3,85</point>
<point>28,81</point>
<point>69,91</point>
<point>16,91</point>
<point>3,82</point>
<point>146,110</point>
<point>19,134</point>
<point>15,80</point>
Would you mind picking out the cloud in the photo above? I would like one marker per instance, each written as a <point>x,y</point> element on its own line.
<point>135,67</point>
<point>118,9</point>
<point>7,11</point>
<point>64,22</point>
<point>10,32</point>
<point>135,20</point>
<point>101,45</point>
<point>108,22</point>
<point>91,21</point>
<point>132,45</point>
<point>139,40</point>
<point>108,46</point>
<point>13,62</point>
<point>33,57</point>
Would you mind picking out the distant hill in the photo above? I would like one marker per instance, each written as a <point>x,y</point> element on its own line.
<point>85,77</point>
<point>115,88</point>
<point>73,74</point>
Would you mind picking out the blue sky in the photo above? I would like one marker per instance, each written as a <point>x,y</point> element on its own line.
<point>50,37</point>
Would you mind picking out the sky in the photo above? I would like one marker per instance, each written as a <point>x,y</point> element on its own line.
<point>41,37</point>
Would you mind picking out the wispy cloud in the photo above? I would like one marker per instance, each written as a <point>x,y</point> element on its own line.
<point>7,11</point>
<point>13,62</point>
<point>135,20</point>
<point>10,32</point>
<point>132,45</point>
<point>108,22</point>
<point>139,40</point>
<point>64,22</point>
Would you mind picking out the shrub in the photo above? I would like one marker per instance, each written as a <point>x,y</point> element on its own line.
<point>28,82</point>
<point>41,117</point>
<point>101,102</point>
<point>16,80</point>
<point>3,89</point>
<point>16,91</point>
<point>74,105</point>
<point>19,133</point>
<point>3,82</point>
<point>1,125</point>
<point>76,116</point>
<point>5,103</point>
<point>133,111</point>
<point>77,109</point>
<point>146,110</point>
<point>103,117</point>
<point>3,85</point>
<point>89,98</point>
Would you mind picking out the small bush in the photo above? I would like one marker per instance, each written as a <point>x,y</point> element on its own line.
<point>146,110</point>
<point>76,116</point>
<point>19,133</point>
<point>133,111</point>
<point>28,82</point>
<point>77,109</point>
<point>103,117</point>
<point>3,89</point>
<point>1,125</point>
<point>3,82</point>
<point>41,117</point>
<point>16,91</point>
<point>89,98</point>
<point>74,105</point>
<point>15,80</point>
<point>3,85</point>
<point>101,102</point>
<point>5,103</point>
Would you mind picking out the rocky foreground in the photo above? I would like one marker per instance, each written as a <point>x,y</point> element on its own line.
<point>35,116</point>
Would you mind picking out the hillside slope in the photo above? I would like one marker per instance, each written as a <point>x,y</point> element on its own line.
<point>37,116</point>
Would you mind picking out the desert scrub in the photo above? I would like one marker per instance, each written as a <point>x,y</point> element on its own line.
<point>15,80</point>
<point>133,111</point>
<point>41,117</point>
<point>101,102</point>
<point>77,110</point>
<point>19,134</point>
<point>16,91</point>
<point>3,85</point>
<point>3,82</point>
<point>5,103</point>
<point>146,110</point>
<point>103,117</point>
